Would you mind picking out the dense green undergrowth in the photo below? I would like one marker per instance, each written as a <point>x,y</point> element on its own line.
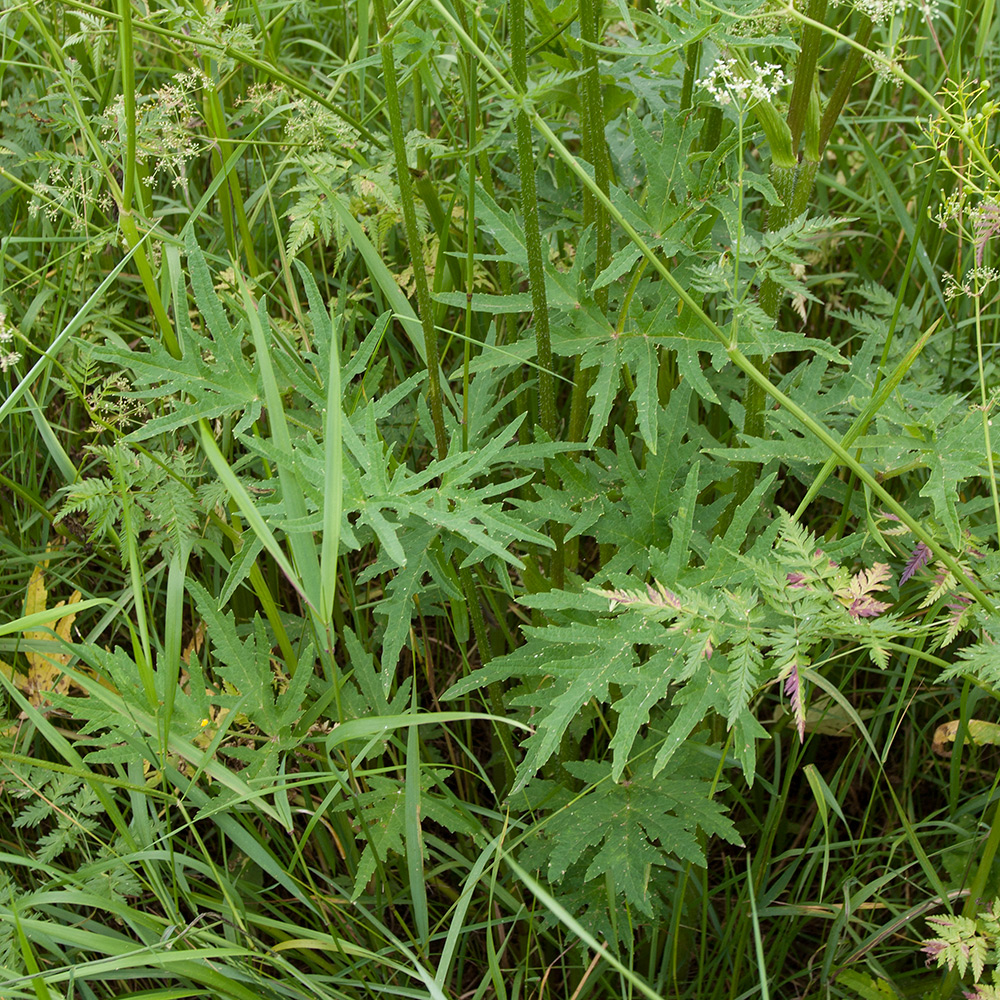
<point>498,500</point>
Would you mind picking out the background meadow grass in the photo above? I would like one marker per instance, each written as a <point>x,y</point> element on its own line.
<point>498,500</point>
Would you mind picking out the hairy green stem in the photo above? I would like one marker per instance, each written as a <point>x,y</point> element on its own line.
<point>754,399</point>
<point>504,775</point>
<point>845,81</point>
<point>532,233</point>
<point>595,152</point>
<point>805,70</point>
<point>221,152</point>
<point>711,129</point>
<point>794,186</point>
<point>536,261</point>
<point>128,95</point>
<point>985,408</point>
<point>692,57</point>
<point>845,510</point>
<point>126,221</point>
<point>414,243</point>
<point>594,144</point>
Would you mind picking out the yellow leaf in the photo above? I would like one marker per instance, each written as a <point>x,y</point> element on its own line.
<point>979,732</point>
<point>45,670</point>
<point>11,674</point>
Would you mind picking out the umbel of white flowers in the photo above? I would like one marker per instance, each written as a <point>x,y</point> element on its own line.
<point>728,85</point>
<point>8,358</point>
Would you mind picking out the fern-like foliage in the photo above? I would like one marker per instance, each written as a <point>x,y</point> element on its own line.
<point>699,649</point>
<point>150,491</point>
<point>63,805</point>
<point>968,944</point>
<point>655,659</point>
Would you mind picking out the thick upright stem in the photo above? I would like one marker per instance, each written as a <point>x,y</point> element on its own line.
<point>128,94</point>
<point>754,400</point>
<point>594,144</point>
<point>805,70</point>
<point>844,83</point>
<point>595,152</point>
<point>532,233</point>
<point>794,187</point>
<point>413,241</point>
<point>692,56</point>
<point>536,263</point>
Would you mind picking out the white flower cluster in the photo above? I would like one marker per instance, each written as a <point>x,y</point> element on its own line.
<point>974,284</point>
<point>167,124</point>
<point>929,9</point>
<point>727,85</point>
<point>7,358</point>
<point>888,72</point>
<point>878,11</point>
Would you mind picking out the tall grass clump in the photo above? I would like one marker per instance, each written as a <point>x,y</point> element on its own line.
<point>499,500</point>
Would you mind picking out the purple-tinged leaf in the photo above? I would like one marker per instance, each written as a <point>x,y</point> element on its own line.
<point>857,595</point>
<point>919,558</point>
<point>793,688</point>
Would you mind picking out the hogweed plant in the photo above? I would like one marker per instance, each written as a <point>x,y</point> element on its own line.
<point>523,477</point>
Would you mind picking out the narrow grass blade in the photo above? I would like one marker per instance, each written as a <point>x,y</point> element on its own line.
<point>324,329</point>
<point>246,505</point>
<point>414,837</point>
<point>301,542</point>
<point>758,944</point>
<point>79,318</point>
<point>28,622</point>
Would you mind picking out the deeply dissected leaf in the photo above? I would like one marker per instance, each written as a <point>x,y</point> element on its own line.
<point>245,667</point>
<point>698,650</point>
<point>626,830</point>
<point>213,378</point>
